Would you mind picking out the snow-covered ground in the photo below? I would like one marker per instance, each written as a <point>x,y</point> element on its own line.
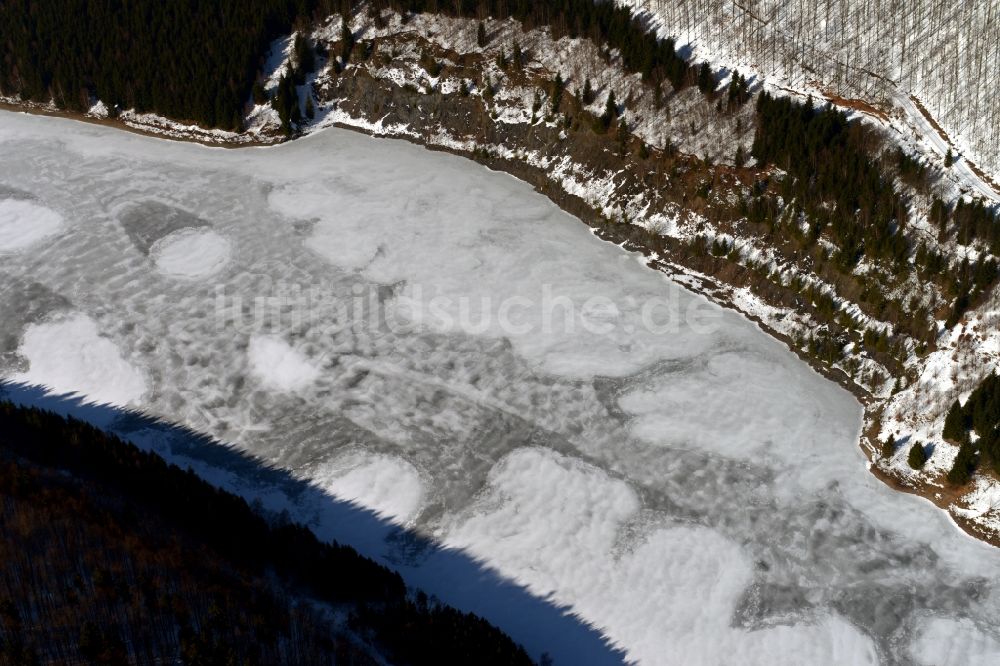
<point>442,344</point>
<point>879,51</point>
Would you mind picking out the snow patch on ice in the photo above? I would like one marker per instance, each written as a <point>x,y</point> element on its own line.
<point>345,232</point>
<point>696,409</point>
<point>191,253</point>
<point>542,510</point>
<point>23,223</point>
<point>71,356</point>
<point>388,485</point>
<point>953,642</point>
<point>280,366</point>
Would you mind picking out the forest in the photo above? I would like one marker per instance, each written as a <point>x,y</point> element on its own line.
<point>189,61</point>
<point>828,161</point>
<point>836,181</point>
<point>198,62</point>
<point>946,54</point>
<point>109,554</point>
<point>602,22</point>
<point>980,414</point>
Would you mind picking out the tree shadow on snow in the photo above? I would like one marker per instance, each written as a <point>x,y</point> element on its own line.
<point>453,576</point>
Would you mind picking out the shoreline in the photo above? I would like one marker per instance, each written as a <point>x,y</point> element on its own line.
<point>36,110</point>
<point>940,497</point>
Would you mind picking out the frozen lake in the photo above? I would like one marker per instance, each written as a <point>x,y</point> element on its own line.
<point>446,347</point>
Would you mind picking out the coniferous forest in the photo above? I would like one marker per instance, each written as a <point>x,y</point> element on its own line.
<point>108,554</point>
<point>603,22</point>
<point>191,61</point>
<point>828,160</point>
<point>198,62</point>
<point>980,414</point>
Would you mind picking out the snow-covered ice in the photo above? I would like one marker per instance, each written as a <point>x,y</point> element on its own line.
<point>191,253</point>
<point>279,366</point>
<point>70,356</point>
<point>24,223</point>
<point>675,477</point>
<point>388,485</point>
<point>952,642</point>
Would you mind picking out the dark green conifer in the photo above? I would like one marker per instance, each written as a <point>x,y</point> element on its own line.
<point>965,464</point>
<point>706,81</point>
<point>917,457</point>
<point>556,93</point>
<point>954,423</point>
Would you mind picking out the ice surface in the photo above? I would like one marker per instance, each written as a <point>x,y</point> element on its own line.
<point>684,581</point>
<point>387,485</point>
<point>693,490</point>
<point>191,253</point>
<point>23,223</point>
<point>69,356</point>
<point>278,366</point>
<point>950,642</point>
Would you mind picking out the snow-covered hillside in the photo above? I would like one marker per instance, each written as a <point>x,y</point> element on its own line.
<point>945,54</point>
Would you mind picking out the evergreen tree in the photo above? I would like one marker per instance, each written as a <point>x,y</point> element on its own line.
<point>517,57</point>
<point>917,457</point>
<point>346,41</point>
<point>259,94</point>
<point>481,38</point>
<point>955,423</point>
<point>706,81</point>
<point>305,54</point>
<point>965,464</point>
<point>610,110</point>
<point>143,54</point>
<point>623,136</point>
<point>588,93</point>
<point>430,63</point>
<point>739,91</point>
<point>134,560</point>
<point>286,102</point>
<point>833,179</point>
<point>556,93</point>
<point>949,159</point>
